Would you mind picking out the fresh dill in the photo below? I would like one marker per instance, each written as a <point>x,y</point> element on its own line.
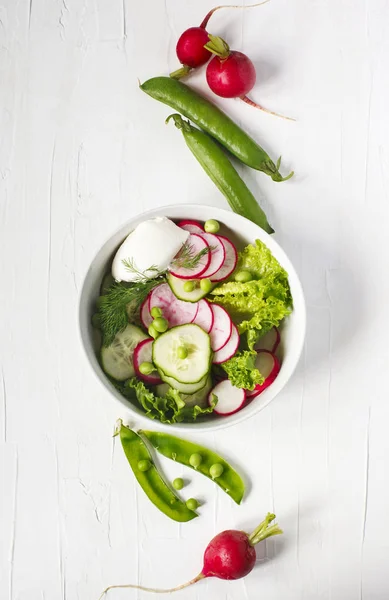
<point>114,306</point>
<point>141,275</point>
<point>187,258</point>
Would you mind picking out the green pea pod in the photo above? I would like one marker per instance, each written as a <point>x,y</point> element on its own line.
<point>224,175</point>
<point>211,119</point>
<point>150,480</point>
<point>181,451</point>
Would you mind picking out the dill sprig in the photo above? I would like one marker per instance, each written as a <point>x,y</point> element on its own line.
<point>141,275</point>
<point>187,258</point>
<point>113,306</point>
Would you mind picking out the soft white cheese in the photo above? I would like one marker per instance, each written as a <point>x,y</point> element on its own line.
<point>152,243</point>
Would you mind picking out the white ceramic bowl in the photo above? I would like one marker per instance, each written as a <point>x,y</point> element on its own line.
<point>242,232</point>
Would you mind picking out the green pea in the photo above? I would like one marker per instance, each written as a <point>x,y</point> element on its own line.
<point>178,483</point>
<point>151,481</point>
<point>243,276</point>
<point>144,465</point>
<point>96,321</point>
<point>192,503</point>
<point>182,352</point>
<point>206,285</point>
<point>156,312</point>
<point>211,226</point>
<point>195,460</point>
<point>189,286</point>
<point>160,324</point>
<point>216,470</point>
<point>146,368</point>
<point>153,332</point>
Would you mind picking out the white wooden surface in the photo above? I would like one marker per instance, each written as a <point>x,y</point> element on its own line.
<point>81,151</point>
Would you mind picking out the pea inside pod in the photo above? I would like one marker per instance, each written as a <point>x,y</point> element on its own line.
<point>150,479</point>
<point>183,451</point>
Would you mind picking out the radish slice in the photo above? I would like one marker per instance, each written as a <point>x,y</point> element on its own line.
<point>229,398</point>
<point>143,353</point>
<point>230,260</point>
<point>229,349</point>
<point>145,316</point>
<point>269,341</point>
<point>221,328</point>
<point>191,226</point>
<point>204,317</point>
<point>269,366</point>
<point>197,243</point>
<point>177,312</point>
<point>217,255</point>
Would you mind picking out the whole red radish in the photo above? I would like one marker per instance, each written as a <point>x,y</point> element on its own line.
<point>191,46</point>
<point>231,74</point>
<point>229,555</point>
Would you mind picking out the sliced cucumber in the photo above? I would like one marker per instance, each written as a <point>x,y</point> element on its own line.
<point>199,398</point>
<point>197,344</point>
<point>177,287</point>
<point>117,359</point>
<point>184,388</point>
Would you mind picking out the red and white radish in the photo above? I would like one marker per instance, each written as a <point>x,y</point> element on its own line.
<point>230,260</point>
<point>270,341</point>
<point>204,317</point>
<point>218,255</point>
<point>175,311</point>
<point>230,399</point>
<point>231,74</point>
<point>142,354</point>
<point>269,366</point>
<point>229,555</point>
<point>221,328</point>
<point>197,244</point>
<point>191,226</point>
<point>229,349</point>
<point>145,315</point>
<point>191,46</point>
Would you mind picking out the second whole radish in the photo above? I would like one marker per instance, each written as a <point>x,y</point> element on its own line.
<point>231,74</point>
<point>230,555</point>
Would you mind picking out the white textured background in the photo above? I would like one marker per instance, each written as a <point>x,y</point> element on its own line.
<point>81,151</point>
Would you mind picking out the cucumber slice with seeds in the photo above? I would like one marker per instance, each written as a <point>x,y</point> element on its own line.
<point>117,359</point>
<point>177,287</point>
<point>192,369</point>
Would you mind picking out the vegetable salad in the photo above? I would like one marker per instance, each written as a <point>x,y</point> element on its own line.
<point>194,331</point>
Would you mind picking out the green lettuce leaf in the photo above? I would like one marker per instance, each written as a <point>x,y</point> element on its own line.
<point>262,303</point>
<point>241,370</point>
<point>255,307</point>
<point>170,408</point>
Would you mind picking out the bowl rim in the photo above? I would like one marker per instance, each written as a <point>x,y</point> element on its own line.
<point>235,418</point>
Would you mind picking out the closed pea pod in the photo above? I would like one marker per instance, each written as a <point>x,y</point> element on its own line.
<point>182,451</point>
<point>224,175</point>
<point>149,478</point>
<point>211,119</point>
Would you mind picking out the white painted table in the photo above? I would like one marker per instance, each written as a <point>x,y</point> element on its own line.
<point>81,151</point>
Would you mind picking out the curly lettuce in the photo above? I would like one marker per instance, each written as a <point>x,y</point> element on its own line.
<point>255,307</point>
<point>170,408</point>
<point>241,370</point>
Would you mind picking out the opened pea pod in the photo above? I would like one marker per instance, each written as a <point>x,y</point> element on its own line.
<point>149,478</point>
<point>199,459</point>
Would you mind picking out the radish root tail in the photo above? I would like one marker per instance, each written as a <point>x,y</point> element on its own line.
<point>209,15</point>
<point>266,110</point>
<point>153,590</point>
